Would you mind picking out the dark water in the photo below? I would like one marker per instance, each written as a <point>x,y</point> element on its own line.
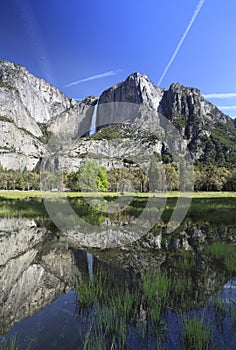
<point>56,296</point>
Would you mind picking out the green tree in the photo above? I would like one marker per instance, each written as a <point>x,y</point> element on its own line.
<point>102,179</point>
<point>3,181</point>
<point>127,179</point>
<point>230,184</point>
<point>172,177</point>
<point>90,177</point>
<point>71,180</point>
<point>211,178</point>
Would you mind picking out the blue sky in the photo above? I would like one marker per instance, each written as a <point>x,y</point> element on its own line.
<point>99,43</point>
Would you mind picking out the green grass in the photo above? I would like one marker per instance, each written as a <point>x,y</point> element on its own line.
<point>219,303</point>
<point>110,132</point>
<point>32,208</point>
<point>184,262</point>
<point>103,287</point>
<point>224,254</point>
<point>113,304</point>
<point>196,335</point>
<point>174,194</point>
<point>11,346</point>
<point>156,287</point>
<point>90,209</point>
<point>182,285</point>
<point>107,330</point>
<point>233,313</point>
<point>212,210</point>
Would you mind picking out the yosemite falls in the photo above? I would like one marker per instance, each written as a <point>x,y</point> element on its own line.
<point>93,128</point>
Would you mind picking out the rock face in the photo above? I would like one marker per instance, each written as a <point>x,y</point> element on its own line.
<point>181,100</point>
<point>38,99</point>
<point>34,269</point>
<point>31,111</point>
<point>137,88</point>
<point>147,109</point>
<point>18,148</point>
<point>25,102</point>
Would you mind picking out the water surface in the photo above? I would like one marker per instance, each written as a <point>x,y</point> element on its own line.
<point>56,293</point>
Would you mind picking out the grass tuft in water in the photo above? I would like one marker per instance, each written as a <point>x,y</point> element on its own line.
<point>196,335</point>
<point>224,253</point>
<point>156,287</point>
<point>185,261</point>
<point>11,346</point>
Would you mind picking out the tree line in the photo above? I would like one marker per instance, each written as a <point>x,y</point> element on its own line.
<point>92,177</point>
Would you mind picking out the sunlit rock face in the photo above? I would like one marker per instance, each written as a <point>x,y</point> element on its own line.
<point>39,100</point>
<point>19,149</point>
<point>34,269</point>
<point>137,88</point>
<point>25,103</point>
<point>37,121</point>
<point>144,111</point>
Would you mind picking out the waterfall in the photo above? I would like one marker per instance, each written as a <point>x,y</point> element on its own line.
<point>90,264</point>
<point>93,121</point>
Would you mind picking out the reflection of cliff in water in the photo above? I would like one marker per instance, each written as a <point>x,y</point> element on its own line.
<point>34,269</point>
<point>36,266</point>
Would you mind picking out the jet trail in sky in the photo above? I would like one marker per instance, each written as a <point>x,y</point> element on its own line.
<point>227,108</point>
<point>94,77</point>
<point>196,12</point>
<point>221,95</point>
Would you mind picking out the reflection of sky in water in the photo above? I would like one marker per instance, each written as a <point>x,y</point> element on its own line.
<point>230,284</point>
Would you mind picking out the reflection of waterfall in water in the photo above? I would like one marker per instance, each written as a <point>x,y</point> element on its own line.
<point>93,121</point>
<point>90,263</point>
<point>91,132</point>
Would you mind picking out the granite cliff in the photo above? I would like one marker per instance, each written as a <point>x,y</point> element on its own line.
<point>31,111</point>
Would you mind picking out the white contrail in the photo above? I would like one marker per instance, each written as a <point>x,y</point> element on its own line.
<point>221,95</point>
<point>196,12</point>
<point>229,108</point>
<point>94,77</point>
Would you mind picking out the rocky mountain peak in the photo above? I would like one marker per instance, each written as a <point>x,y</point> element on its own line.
<point>89,100</point>
<point>181,88</point>
<point>7,70</point>
<point>137,77</point>
<point>31,110</point>
<point>187,102</point>
<point>137,88</point>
